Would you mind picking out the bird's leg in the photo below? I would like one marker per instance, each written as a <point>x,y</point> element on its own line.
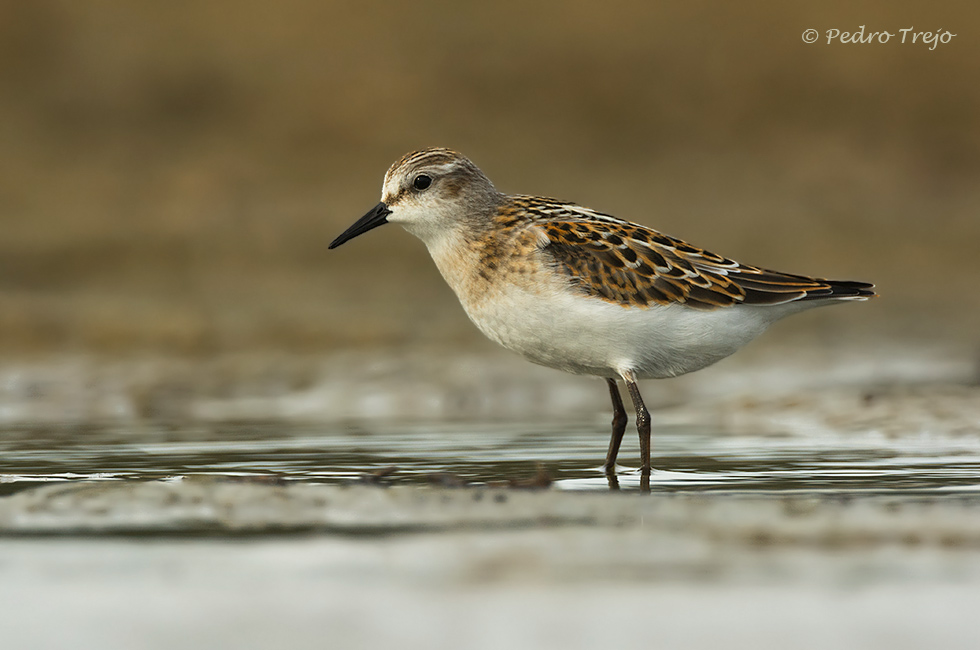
<point>618,428</point>
<point>642,423</point>
<point>612,480</point>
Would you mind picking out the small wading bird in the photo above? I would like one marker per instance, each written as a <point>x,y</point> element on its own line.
<point>581,291</point>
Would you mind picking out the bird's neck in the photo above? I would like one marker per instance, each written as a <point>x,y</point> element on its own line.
<point>458,259</point>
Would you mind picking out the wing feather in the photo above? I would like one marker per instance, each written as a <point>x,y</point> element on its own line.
<point>632,265</point>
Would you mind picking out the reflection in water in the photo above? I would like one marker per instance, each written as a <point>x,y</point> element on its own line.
<point>685,459</point>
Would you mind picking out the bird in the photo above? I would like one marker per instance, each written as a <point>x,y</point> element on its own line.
<point>578,290</point>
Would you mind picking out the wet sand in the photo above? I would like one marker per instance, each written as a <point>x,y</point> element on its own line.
<point>416,567</point>
<point>448,591</point>
<point>873,553</point>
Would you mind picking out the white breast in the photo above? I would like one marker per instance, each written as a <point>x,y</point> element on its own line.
<point>541,317</point>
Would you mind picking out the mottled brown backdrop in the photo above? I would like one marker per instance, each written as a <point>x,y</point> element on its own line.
<point>171,173</point>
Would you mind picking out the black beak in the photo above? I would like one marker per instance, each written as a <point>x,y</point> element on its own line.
<point>376,216</point>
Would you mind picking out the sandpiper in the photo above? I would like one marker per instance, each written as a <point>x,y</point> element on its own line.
<point>575,289</point>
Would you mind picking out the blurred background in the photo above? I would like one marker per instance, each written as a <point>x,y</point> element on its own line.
<point>171,173</point>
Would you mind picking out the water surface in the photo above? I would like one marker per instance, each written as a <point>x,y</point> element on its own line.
<point>685,458</point>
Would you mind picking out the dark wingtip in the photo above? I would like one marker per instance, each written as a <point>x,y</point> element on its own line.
<point>853,289</point>
<point>843,290</point>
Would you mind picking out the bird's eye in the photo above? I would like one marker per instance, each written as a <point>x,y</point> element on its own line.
<point>422,182</point>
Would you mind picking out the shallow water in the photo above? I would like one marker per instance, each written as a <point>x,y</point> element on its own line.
<point>686,459</point>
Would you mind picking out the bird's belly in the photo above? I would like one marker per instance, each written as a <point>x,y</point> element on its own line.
<point>585,335</point>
